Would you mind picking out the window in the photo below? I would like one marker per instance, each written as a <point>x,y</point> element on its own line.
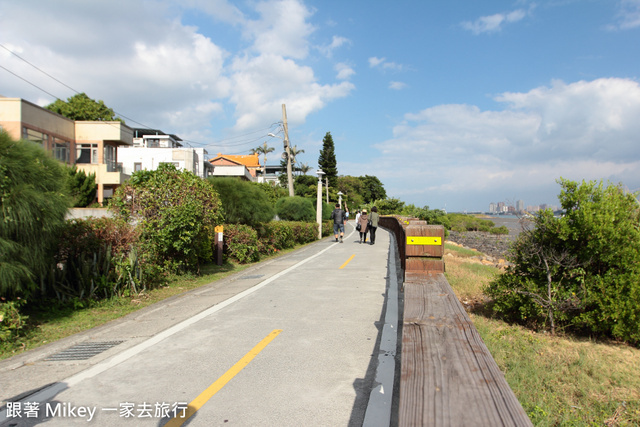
<point>137,167</point>
<point>35,136</point>
<point>153,143</point>
<point>61,150</point>
<point>87,154</point>
<point>110,157</point>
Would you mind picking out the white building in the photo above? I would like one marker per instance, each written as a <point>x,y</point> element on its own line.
<point>153,147</point>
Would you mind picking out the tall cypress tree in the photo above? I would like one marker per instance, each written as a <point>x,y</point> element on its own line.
<point>327,160</point>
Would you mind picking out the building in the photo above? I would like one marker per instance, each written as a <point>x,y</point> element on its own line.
<point>152,147</point>
<point>90,145</point>
<point>244,166</point>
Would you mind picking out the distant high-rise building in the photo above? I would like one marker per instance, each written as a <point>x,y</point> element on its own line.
<point>520,206</point>
<point>492,207</point>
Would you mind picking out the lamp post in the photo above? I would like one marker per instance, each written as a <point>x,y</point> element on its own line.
<point>340,198</point>
<point>288,154</point>
<point>319,204</point>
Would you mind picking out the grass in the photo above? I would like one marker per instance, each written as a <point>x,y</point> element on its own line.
<point>559,380</point>
<point>53,322</point>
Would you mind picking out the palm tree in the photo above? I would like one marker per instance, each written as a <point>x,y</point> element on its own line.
<point>263,149</point>
<point>294,152</point>
<point>304,168</point>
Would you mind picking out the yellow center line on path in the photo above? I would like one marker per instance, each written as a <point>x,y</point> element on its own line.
<point>204,397</point>
<point>348,261</point>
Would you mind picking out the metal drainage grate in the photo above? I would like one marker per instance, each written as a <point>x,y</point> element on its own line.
<point>83,351</point>
<point>255,276</point>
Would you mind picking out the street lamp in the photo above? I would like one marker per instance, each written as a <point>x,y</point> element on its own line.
<point>319,204</point>
<point>288,154</point>
<point>340,194</point>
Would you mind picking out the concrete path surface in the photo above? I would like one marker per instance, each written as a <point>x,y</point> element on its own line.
<point>306,339</point>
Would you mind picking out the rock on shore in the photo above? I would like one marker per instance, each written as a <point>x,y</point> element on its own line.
<point>493,245</point>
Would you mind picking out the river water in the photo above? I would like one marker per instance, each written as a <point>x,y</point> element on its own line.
<point>512,222</point>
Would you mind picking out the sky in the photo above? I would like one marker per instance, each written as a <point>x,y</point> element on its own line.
<point>451,104</point>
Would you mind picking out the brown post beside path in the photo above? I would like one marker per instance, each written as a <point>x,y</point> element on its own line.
<point>219,237</point>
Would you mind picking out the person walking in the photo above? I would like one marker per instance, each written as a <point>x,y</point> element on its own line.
<point>373,219</point>
<point>339,218</point>
<point>363,221</point>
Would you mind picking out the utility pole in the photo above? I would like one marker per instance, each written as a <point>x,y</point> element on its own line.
<point>326,180</point>
<point>287,150</point>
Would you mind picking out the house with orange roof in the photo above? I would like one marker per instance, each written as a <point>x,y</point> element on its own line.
<point>244,166</point>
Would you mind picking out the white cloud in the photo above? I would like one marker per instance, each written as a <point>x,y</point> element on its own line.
<point>397,85</point>
<point>344,71</point>
<point>282,29</point>
<point>494,23</point>
<point>382,63</point>
<point>336,42</point>
<point>167,74</point>
<point>628,16</point>
<point>257,94</point>
<point>583,130</point>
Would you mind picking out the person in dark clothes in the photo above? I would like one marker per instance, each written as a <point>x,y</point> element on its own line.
<point>373,220</point>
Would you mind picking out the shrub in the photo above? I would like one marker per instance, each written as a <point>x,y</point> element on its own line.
<point>11,321</point>
<point>276,235</point>
<point>327,208</point>
<point>243,202</point>
<point>241,243</point>
<point>581,270</point>
<point>33,203</point>
<point>98,257</point>
<point>81,187</point>
<point>305,232</point>
<point>176,213</point>
<point>295,209</point>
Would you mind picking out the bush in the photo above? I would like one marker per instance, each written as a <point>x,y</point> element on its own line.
<point>327,208</point>
<point>11,321</point>
<point>98,258</point>
<point>276,235</point>
<point>241,243</point>
<point>176,212</point>
<point>295,209</point>
<point>273,192</point>
<point>581,271</point>
<point>81,187</point>
<point>33,202</point>
<point>243,202</point>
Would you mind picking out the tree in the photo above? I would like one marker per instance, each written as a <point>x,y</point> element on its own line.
<point>33,204</point>
<point>372,189</point>
<point>294,152</point>
<point>81,107</point>
<point>304,168</point>
<point>352,190</point>
<point>389,206</point>
<point>306,186</point>
<point>327,160</point>
<point>176,212</point>
<point>81,187</point>
<point>580,270</point>
<point>263,149</point>
<point>243,202</point>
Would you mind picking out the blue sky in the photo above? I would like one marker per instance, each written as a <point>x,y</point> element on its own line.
<point>451,104</point>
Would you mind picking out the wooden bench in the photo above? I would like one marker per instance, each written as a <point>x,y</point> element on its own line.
<point>448,377</point>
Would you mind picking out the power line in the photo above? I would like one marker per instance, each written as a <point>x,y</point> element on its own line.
<point>202,144</point>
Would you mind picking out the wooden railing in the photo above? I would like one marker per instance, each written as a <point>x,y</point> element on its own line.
<point>448,377</point>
